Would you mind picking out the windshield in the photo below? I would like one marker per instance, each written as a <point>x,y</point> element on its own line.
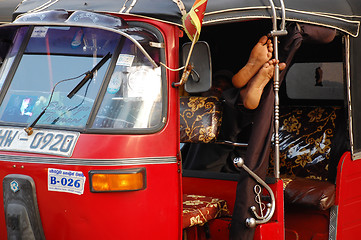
<point>45,64</point>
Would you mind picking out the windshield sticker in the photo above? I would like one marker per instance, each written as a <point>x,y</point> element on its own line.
<point>125,60</point>
<point>115,83</point>
<point>66,181</point>
<point>39,32</point>
<point>78,38</point>
<point>19,108</point>
<point>66,114</point>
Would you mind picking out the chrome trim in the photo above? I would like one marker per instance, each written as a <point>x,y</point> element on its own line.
<point>275,33</point>
<point>225,142</point>
<point>342,17</point>
<point>88,162</point>
<point>348,92</point>
<point>260,16</point>
<point>157,45</point>
<point>264,218</point>
<point>332,231</point>
<point>43,6</point>
<point>252,222</point>
<point>356,156</point>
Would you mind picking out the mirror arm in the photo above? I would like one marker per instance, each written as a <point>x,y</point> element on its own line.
<point>187,71</point>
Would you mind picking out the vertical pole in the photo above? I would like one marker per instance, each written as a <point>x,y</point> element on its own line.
<point>276,114</point>
<point>275,33</point>
<point>276,89</point>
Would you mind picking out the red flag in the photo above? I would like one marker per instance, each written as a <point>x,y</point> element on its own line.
<point>192,21</point>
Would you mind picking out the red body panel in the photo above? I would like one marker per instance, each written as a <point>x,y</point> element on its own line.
<point>156,211</point>
<point>275,228</point>
<point>152,213</point>
<point>118,215</point>
<point>348,198</point>
<point>216,188</point>
<point>305,223</point>
<point>222,189</point>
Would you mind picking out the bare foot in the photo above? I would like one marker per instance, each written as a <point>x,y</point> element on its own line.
<point>260,54</point>
<point>252,93</point>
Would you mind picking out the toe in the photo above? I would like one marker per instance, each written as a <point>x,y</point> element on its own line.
<point>263,40</point>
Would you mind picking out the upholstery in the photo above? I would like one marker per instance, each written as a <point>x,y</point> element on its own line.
<point>197,210</point>
<point>310,193</point>
<point>200,119</point>
<point>305,135</point>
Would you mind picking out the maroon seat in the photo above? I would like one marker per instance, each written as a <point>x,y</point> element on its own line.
<point>309,193</point>
<point>306,135</point>
<point>197,210</point>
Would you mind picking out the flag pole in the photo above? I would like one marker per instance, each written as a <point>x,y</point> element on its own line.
<point>188,67</point>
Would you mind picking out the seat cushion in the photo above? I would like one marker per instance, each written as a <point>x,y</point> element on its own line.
<point>309,193</point>
<point>197,210</point>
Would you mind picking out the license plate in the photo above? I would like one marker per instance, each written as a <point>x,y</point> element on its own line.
<point>60,180</point>
<point>52,142</point>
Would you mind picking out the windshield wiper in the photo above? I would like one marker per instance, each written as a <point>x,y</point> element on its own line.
<point>88,75</point>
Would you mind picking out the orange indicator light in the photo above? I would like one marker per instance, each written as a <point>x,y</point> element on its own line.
<point>118,180</point>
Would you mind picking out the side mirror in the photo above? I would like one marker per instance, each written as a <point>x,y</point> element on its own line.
<point>200,79</point>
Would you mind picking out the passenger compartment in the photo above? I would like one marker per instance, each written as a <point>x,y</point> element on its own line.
<point>200,121</point>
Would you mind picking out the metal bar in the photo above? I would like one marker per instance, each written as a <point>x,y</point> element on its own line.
<point>276,89</point>
<point>346,40</point>
<point>275,33</point>
<point>244,145</point>
<point>251,222</point>
<point>188,67</point>
<point>283,10</point>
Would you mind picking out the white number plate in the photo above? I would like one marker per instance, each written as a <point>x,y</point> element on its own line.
<point>66,181</point>
<point>53,142</point>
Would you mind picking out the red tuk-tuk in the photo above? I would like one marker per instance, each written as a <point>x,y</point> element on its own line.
<point>101,137</point>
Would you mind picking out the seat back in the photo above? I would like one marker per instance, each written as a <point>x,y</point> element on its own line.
<point>200,119</point>
<point>306,135</point>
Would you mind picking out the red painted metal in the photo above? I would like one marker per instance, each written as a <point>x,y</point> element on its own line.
<point>275,228</point>
<point>153,213</point>
<point>156,212</point>
<point>222,189</point>
<point>226,190</point>
<point>118,215</point>
<point>348,198</point>
<point>304,223</point>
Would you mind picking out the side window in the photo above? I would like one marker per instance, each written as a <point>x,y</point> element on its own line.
<point>317,72</point>
<point>322,80</point>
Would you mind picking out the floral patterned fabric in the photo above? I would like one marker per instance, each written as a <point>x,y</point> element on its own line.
<point>305,141</point>
<point>197,210</point>
<point>200,119</point>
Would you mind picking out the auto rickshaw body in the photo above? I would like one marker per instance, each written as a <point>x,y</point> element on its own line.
<point>94,121</point>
